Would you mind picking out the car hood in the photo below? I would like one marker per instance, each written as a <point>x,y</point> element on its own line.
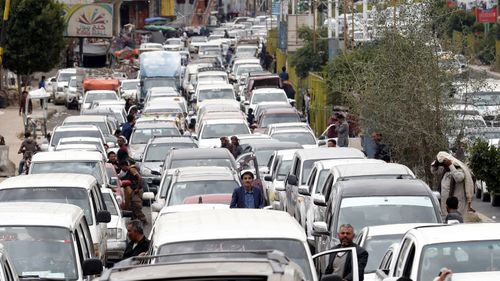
<point>154,166</point>
<point>137,148</point>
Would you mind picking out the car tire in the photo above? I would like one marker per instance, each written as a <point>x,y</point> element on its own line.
<point>495,199</point>
<point>485,196</point>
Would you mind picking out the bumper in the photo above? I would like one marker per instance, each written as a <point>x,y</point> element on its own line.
<point>115,249</point>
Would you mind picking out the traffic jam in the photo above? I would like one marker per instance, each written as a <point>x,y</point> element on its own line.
<point>200,167</point>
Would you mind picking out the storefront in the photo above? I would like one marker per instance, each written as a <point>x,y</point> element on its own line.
<point>134,12</point>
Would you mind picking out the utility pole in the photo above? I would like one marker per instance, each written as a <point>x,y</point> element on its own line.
<point>337,22</point>
<point>313,2</point>
<point>365,19</point>
<point>6,12</point>
<point>352,23</point>
<point>394,2</point>
<point>346,29</point>
<point>329,19</point>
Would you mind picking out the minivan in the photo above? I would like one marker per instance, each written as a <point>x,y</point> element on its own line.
<point>77,189</point>
<point>48,241</point>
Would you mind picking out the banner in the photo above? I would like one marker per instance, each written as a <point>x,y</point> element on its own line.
<point>89,20</point>
<point>486,15</point>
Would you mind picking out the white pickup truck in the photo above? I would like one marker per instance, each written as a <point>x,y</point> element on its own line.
<point>471,251</point>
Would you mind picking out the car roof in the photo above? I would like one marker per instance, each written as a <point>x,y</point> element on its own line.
<point>279,145</point>
<point>214,87</point>
<point>49,180</point>
<point>154,125</point>
<point>384,187</point>
<point>204,173</point>
<point>225,121</point>
<point>330,153</point>
<point>67,156</point>
<point>197,153</point>
<point>169,140</point>
<point>85,118</point>
<point>289,124</point>
<point>191,207</point>
<point>80,139</point>
<point>226,224</point>
<point>286,154</point>
<point>460,232</point>
<point>39,214</point>
<point>367,169</point>
<point>76,128</point>
<point>294,130</point>
<point>99,91</point>
<point>388,229</point>
<point>280,110</point>
<point>329,163</point>
<point>130,81</point>
<point>268,90</point>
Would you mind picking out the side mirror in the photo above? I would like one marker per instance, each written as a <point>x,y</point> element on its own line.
<point>320,229</point>
<point>319,200</point>
<point>194,100</point>
<point>246,102</point>
<point>156,173</point>
<point>103,217</point>
<point>148,196</point>
<point>238,98</point>
<point>111,144</point>
<point>126,214</point>
<point>321,143</point>
<point>322,137</point>
<point>156,207</point>
<point>292,179</point>
<point>304,190</point>
<point>194,137</point>
<point>92,267</point>
<point>453,222</point>
<point>268,178</point>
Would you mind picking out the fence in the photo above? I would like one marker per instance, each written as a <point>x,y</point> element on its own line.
<point>320,111</point>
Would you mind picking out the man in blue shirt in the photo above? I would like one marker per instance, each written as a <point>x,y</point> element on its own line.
<point>284,74</point>
<point>247,196</point>
<point>127,127</point>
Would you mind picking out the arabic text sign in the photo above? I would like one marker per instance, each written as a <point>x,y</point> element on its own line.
<point>92,20</point>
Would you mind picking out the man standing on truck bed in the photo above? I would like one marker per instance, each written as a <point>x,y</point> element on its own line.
<point>340,263</point>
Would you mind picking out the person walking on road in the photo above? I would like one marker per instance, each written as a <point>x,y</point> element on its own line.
<point>41,83</point>
<point>122,153</point>
<point>138,244</point>
<point>340,263</point>
<point>128,127</point>
<point>342,129</point>
<point>247,196</point>
<point>22,104</point>
<point>133,190</point>
<point>454,179</point>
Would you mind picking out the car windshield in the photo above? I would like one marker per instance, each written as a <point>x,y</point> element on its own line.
<point>376,246</point>
<point>212,94</point>
<point>168,110</point>
<point>302,138</point>
<point>213,131</point>
<point>218,162</point>
<point>101,125</point>
<point>85,167</point>
<point>246,69</point>
<point>212,79</point>
<point>199,39</point>
<point>166,82</point>
<point>64,77</point>
<point>269,97</point>
<point>379,210</point>
<point>129,85</point>
<point>463,256</point>
<point>158,152</point>
<point>144,135</point>
<point>306,169</point>
<point>110,205</point>
<point>73,133</point>
<point>90,97</point>
<point>182,190</point>
<point>42,252</point>
<point>263,156</point>
<point>293,249</point>
<point>67,195</point>
<point>278,118</point>
<point>283,169</point>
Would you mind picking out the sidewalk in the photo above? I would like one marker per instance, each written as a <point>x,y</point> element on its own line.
<point>486,69</point>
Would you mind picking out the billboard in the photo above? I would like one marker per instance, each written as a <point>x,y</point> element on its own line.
<point>89,20</point>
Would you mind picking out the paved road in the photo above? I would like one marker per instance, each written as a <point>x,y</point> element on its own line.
<point>486,209</point>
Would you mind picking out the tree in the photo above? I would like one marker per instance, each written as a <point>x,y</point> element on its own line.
<point>308,59</point>
<point>34,36</point>
<point>485,163</point>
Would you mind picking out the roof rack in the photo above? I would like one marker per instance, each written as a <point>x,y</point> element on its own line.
<point>213,68</point>
<point>275,258</point>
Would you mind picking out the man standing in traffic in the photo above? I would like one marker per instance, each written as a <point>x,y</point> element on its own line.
<point>342,129</point>
<point>138,244</point>
<point>236,147</point>
<point>127,127</point>
<point>247,196</point>
<point>122,153</point>
<point>455,180</point>
<point>381,150</point>
<point>340,263</point>
<point>284,74</point>
<point>133,190</point>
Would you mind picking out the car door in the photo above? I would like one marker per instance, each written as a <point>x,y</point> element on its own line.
<point>101,227</point>
<point>290,200</point>
<point>295,188</point>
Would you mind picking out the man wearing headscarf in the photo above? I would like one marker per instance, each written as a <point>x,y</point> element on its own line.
<point>455,179</point>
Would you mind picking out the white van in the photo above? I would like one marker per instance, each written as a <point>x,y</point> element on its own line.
<point>7,269</point>
<point>80,190</point>
<point>231,230</point>
<point>48,241</point>
<point>62,82</point>
<point>71,161</point>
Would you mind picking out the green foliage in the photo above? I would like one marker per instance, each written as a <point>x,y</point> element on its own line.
<point>485,48</point>
<point>484,161</point>
<point>34,38</point>
<point>307,59</point>
<point>461,21</point>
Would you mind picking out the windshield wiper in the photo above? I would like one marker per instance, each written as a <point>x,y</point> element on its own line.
<point>36,277</point>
